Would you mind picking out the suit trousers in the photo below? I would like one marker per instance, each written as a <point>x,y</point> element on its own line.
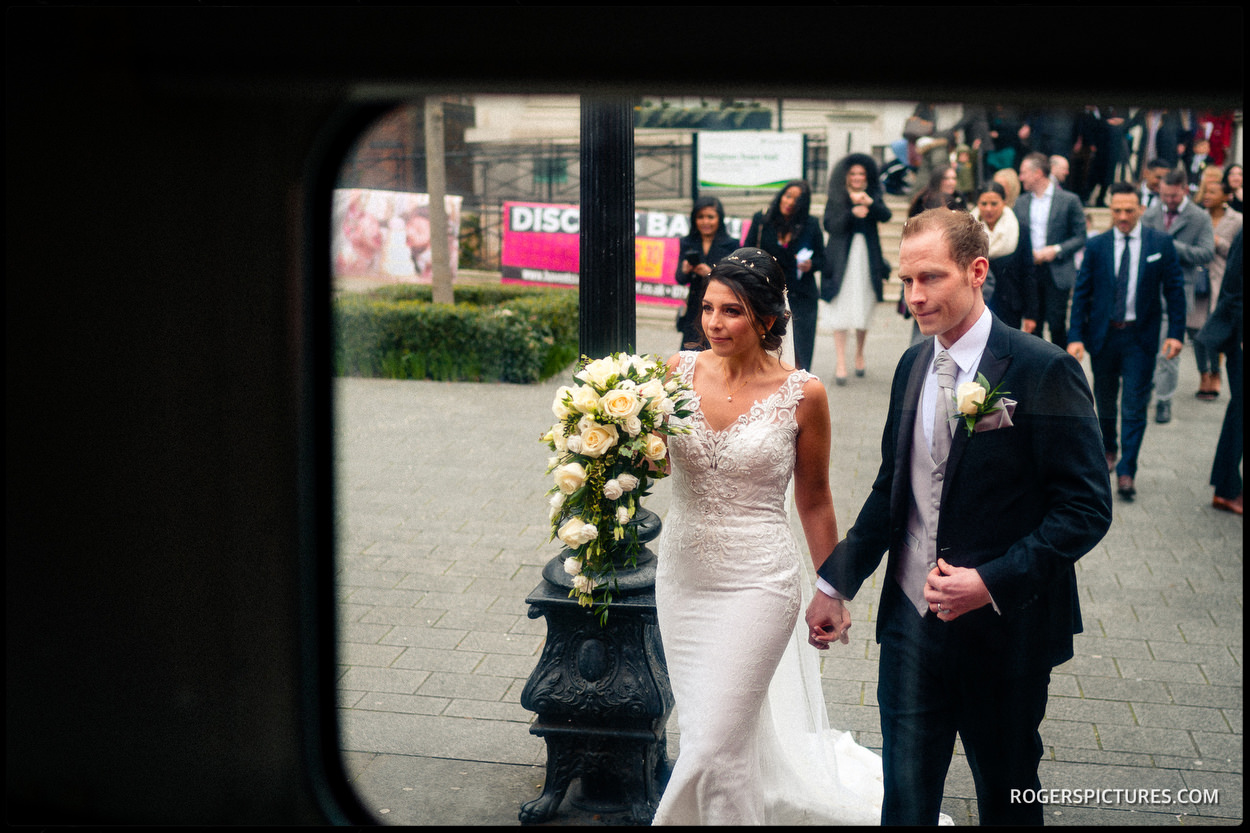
<point>1122,359</point>
<point>929,691</point>
<point>804,312</point>
<point>1226,470</point>
<point>1053,306</point>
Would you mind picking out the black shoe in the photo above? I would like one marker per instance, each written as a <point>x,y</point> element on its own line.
<point>1124,485</point>
<point>1163,411</point>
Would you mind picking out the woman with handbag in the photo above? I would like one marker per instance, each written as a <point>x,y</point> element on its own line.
<point>788,232</point>
<point>1225,332</point>
<point>705,246</point>
<point>1213,196</point>
<point>855,269</point>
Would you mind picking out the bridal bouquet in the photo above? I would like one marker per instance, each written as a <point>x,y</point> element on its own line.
<point>609,443</point>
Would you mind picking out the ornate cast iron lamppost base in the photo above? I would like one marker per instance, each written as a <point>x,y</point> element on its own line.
<point>602,696</point>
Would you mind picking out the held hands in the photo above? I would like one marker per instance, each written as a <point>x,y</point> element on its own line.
<point>827,621</point>
<point>952,591</point>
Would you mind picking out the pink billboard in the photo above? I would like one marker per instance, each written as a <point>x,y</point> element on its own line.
<point>540,246</point>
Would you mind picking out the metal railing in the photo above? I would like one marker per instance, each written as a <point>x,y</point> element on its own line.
<point>543,172</point>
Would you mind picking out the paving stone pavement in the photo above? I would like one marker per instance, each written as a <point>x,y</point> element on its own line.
<point>443,533</point>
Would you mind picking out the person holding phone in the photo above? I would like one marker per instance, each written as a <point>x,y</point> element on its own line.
<point>706,245</point>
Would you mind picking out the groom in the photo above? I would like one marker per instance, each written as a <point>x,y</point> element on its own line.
<point>983,530</point>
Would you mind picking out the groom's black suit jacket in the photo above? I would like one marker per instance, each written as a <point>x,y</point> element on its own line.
<point>1020,504</point>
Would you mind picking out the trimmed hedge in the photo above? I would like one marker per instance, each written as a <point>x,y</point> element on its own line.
<point>492,333</point>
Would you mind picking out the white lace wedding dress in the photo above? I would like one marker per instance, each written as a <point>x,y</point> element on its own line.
<point>755,743</point>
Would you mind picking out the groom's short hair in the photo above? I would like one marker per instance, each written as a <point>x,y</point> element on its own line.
<point>965,235</point>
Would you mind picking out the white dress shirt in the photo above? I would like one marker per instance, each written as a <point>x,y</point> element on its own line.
<point>1134,251</point>
<point>967,355</point>
<point>1039,216</point>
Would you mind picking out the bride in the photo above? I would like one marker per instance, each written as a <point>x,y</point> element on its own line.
<point>756,747</point>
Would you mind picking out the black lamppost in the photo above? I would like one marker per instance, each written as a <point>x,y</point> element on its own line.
<point>602,693</point>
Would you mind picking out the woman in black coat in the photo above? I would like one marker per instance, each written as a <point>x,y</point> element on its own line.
<point>1013,294</point>
<point>706,244</point>
<point>788,232</point>
<point>855,271</point>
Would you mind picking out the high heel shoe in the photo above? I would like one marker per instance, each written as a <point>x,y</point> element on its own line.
<point>840,381</point>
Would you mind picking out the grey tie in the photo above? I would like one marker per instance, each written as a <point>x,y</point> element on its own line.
<point>944,408</point>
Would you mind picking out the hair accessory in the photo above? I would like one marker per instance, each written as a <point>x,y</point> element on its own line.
<point>752,268</point>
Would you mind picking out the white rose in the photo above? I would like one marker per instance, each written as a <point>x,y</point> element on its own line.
<point>598,372</point>
<point>558,439</point>
<point>558,407</point>
<point>655,449</point>
<point>573,566</point>
<point>667,406</point>
<point>628,481</point>
<point>574,444</point>
<point>612,490</point>
<point>623,515</point>
<point>652,390</point>
<point>632,426</point>
<point>583,584</point>
<point>598,439</point>
<point>576,532</point>
<point>643,364</point>
<point>619,403</point>
<point>585,399</point>
<point>968,396</point>
<point>569,478</point>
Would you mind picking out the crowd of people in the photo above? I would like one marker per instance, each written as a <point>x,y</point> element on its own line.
<point>1010,289</point>
<point>1036,173</point>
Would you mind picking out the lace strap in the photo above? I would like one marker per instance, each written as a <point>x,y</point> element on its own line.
<point>686,368</point>
<point>785,400</point>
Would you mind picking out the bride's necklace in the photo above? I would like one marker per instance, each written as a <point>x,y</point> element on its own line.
<point>730,397</point>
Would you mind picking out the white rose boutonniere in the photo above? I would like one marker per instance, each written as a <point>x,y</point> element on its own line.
<point>983,409</point>
<point>609,441</point>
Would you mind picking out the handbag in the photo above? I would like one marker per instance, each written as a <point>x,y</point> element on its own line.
<point>917,128</point>
<point>1202,282</point>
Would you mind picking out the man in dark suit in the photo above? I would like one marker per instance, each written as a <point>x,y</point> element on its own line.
<point>1165,135</point>
<point>1117,311</point>
<point>1190,229</point>
<point>1054,221</point>
<point>1151,182</point>
<point>983,527</point>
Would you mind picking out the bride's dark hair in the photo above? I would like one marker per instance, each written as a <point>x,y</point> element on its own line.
<point>755,276</point>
